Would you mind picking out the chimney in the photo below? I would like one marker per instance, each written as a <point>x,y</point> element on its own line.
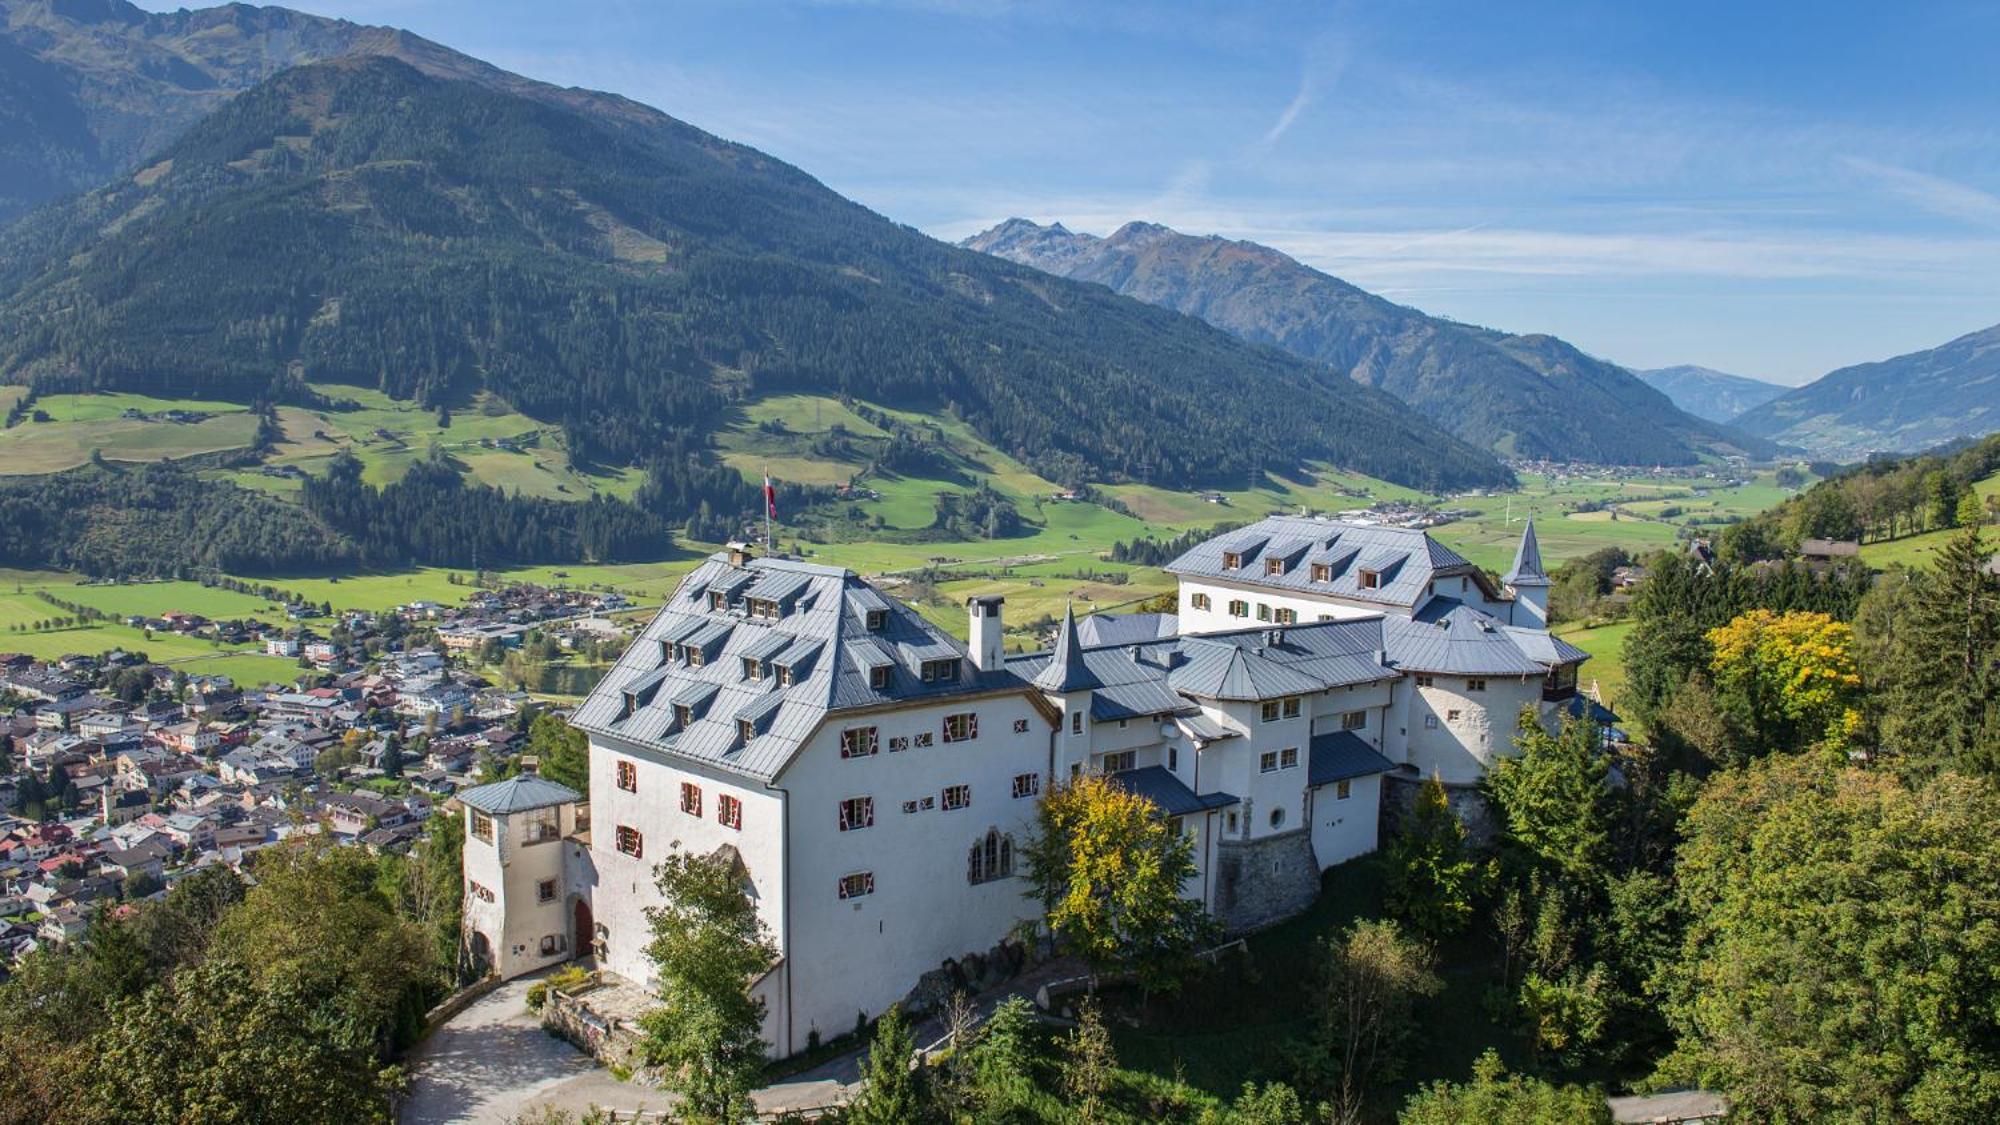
<point>739,553</point>
<point>987,633</point>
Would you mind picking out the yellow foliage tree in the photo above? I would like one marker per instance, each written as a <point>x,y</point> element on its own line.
<point>1789,679</point>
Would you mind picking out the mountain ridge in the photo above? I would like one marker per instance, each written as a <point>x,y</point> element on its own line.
<point>1707,393</point>
<point>1906,403</point>
<point>1524,396</point>
<point>600,264</point>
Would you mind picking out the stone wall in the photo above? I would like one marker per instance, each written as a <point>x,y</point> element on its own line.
<point>1263,881</point>
<point>1399,797</point>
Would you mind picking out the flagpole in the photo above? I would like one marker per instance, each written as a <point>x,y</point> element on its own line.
<point>770,505</point>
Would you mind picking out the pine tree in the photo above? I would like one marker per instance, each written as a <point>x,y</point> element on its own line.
<point>892,1091</point>
<point>1941,678</point>
<point>1432,880</point>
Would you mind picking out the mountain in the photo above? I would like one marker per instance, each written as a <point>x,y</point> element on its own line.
<point>1523,396</point>
<point>434,228</point>
<point>1909,403</point>
<point>1707,393</point>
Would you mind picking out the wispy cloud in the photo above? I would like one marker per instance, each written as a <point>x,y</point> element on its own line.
<point>1935,194</point>
<point>1290,115</point>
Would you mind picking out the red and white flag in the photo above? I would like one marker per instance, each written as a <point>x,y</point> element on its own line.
<point>770,498</point>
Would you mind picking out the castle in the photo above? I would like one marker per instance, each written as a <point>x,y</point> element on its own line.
<point>872,779</point>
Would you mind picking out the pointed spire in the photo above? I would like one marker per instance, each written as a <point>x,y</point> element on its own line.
<point>1527,568</point>
<point>1066,670</point>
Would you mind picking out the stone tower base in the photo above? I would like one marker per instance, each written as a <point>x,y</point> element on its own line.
<point>1263,881</point>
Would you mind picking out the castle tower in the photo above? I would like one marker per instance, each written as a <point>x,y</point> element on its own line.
<point>520,912</point>
<point>1528,583</point>
<point>1068,682</point>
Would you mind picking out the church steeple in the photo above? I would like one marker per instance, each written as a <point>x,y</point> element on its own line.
<point>1527,568</point>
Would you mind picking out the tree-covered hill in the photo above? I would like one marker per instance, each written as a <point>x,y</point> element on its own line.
<point>1525,396</point>
<point>605,267</point>
<point>1908,403</point>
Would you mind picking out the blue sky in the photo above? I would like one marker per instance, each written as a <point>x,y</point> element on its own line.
<point>1773,189</point>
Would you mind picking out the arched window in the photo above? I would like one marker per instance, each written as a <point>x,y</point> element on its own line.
<point>991,857</point>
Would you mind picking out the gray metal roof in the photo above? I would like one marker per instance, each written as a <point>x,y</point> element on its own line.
<point>1404,560</point>
<point>1342,755</point>
<point>1173,798</point>
<point>1125,628</point>
<point>1066,669</point>
<point>820,641</point>
<point>1527,568</point>
<point>518,794</point>
<point>1164,676</point>
<point>1451,637</point>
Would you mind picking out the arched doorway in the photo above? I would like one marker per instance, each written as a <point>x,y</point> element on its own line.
<point>479,955</point>
<point>585,940</point>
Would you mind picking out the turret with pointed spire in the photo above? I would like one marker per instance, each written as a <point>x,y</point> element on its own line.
<point>1529,583</point>
<point>1068,682</point>
<point>1066,671</point>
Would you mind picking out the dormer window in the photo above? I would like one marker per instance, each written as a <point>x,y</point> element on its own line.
<point>717,600</point>
<point>1274,566</point>
<point>753,668</point>
<point>1368,579</point>
<point>878,677</point>
<point>764,607</point>
<point>1232,560</point>
<point>1321,572</point>
<point>784,675</point>
<point>940,671</point>
<point>877,620</point>
<point>694,657</point>
<point>666,652</point>
<point>683,716</point>
<point>745,731</point>
<point>631,705</point>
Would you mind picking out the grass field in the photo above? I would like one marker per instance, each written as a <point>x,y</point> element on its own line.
<point>1606,667</point>
<point>1915,551</point>
<point>81,424</point>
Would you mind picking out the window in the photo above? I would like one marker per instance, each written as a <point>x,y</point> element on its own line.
<point>1239,608</point>
<point>1176,826</point>
<point>1200,601</point>
<point>763,607</point>
<point>921,740</point>
<point>545,891</point>
<point>1368,579</point>
<point>552,944</point>
<point>1475,684</point>
<point>962,727</point>
<point>690,798</point>
<point>857,813</point>
<point>1278,817</point>
<point>858,884</point>
<point>1274,566</point>
<point>1430,722</point>
<point>1121,761</point>
<point>1287,616</point>
<point>1027,785</point>
<point>628,776</point>
<point>1426,681</point>
<point>940,671</point>
<point>683,715</point>
<point>1173,758</point>
<point>1342,790</point>
<point>1020,726</point>
<point>696,657</point>
<point>541,826</point>
<point>745,731</point>
<point>784,675</point>
<point>728,811</point>
<point>1076,722</point>
<point>957,797</point>
<point>1263,612</point>
<point>858,742</point>
<point>717,599</point>
<point>1268,711</point>
<point>1292,707</point>
<point>753,668</point>
<point>1321,572</point>
<point>1288,758</point>
<point>878,677</point>
<point>630,842</point>
<point>1451,716</point>
<point>482,827</point>
<point>1232,560</point>
<point>991,858</point>
<point>909,806</point>
<point>877,620</point>
<point>1354,720</point>
<point>1271,761</point>
<point>1232,822</point>
<point>899,743</point>
<point>479,891</point>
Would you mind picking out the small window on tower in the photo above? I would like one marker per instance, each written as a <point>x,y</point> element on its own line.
<point>877,620</point>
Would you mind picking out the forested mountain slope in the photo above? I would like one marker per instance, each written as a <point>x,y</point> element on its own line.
<point>1707,393</point>
<point>1527,396</point>
<point>601,265</point>
<point>1908,403</point>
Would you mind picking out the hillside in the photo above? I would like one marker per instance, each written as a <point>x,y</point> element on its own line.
<point>1522,396</point>
<point>1707,393</point>
<point>603,267</point>
<point>1904,404</point>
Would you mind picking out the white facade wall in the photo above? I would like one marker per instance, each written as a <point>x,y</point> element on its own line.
<point>517,921</point>
<point>1460,749</point>
<point>860,955</point>
<point>1311,607</point>
<point>1345,827</point>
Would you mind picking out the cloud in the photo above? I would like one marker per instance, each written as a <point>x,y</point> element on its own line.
<point>1935,194</point>
<point>1290,116</point>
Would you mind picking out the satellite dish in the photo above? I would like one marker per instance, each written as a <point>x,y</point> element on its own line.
<point>1170,731</point>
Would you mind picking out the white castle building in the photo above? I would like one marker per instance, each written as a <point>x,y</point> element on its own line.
<point>872,778</point>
